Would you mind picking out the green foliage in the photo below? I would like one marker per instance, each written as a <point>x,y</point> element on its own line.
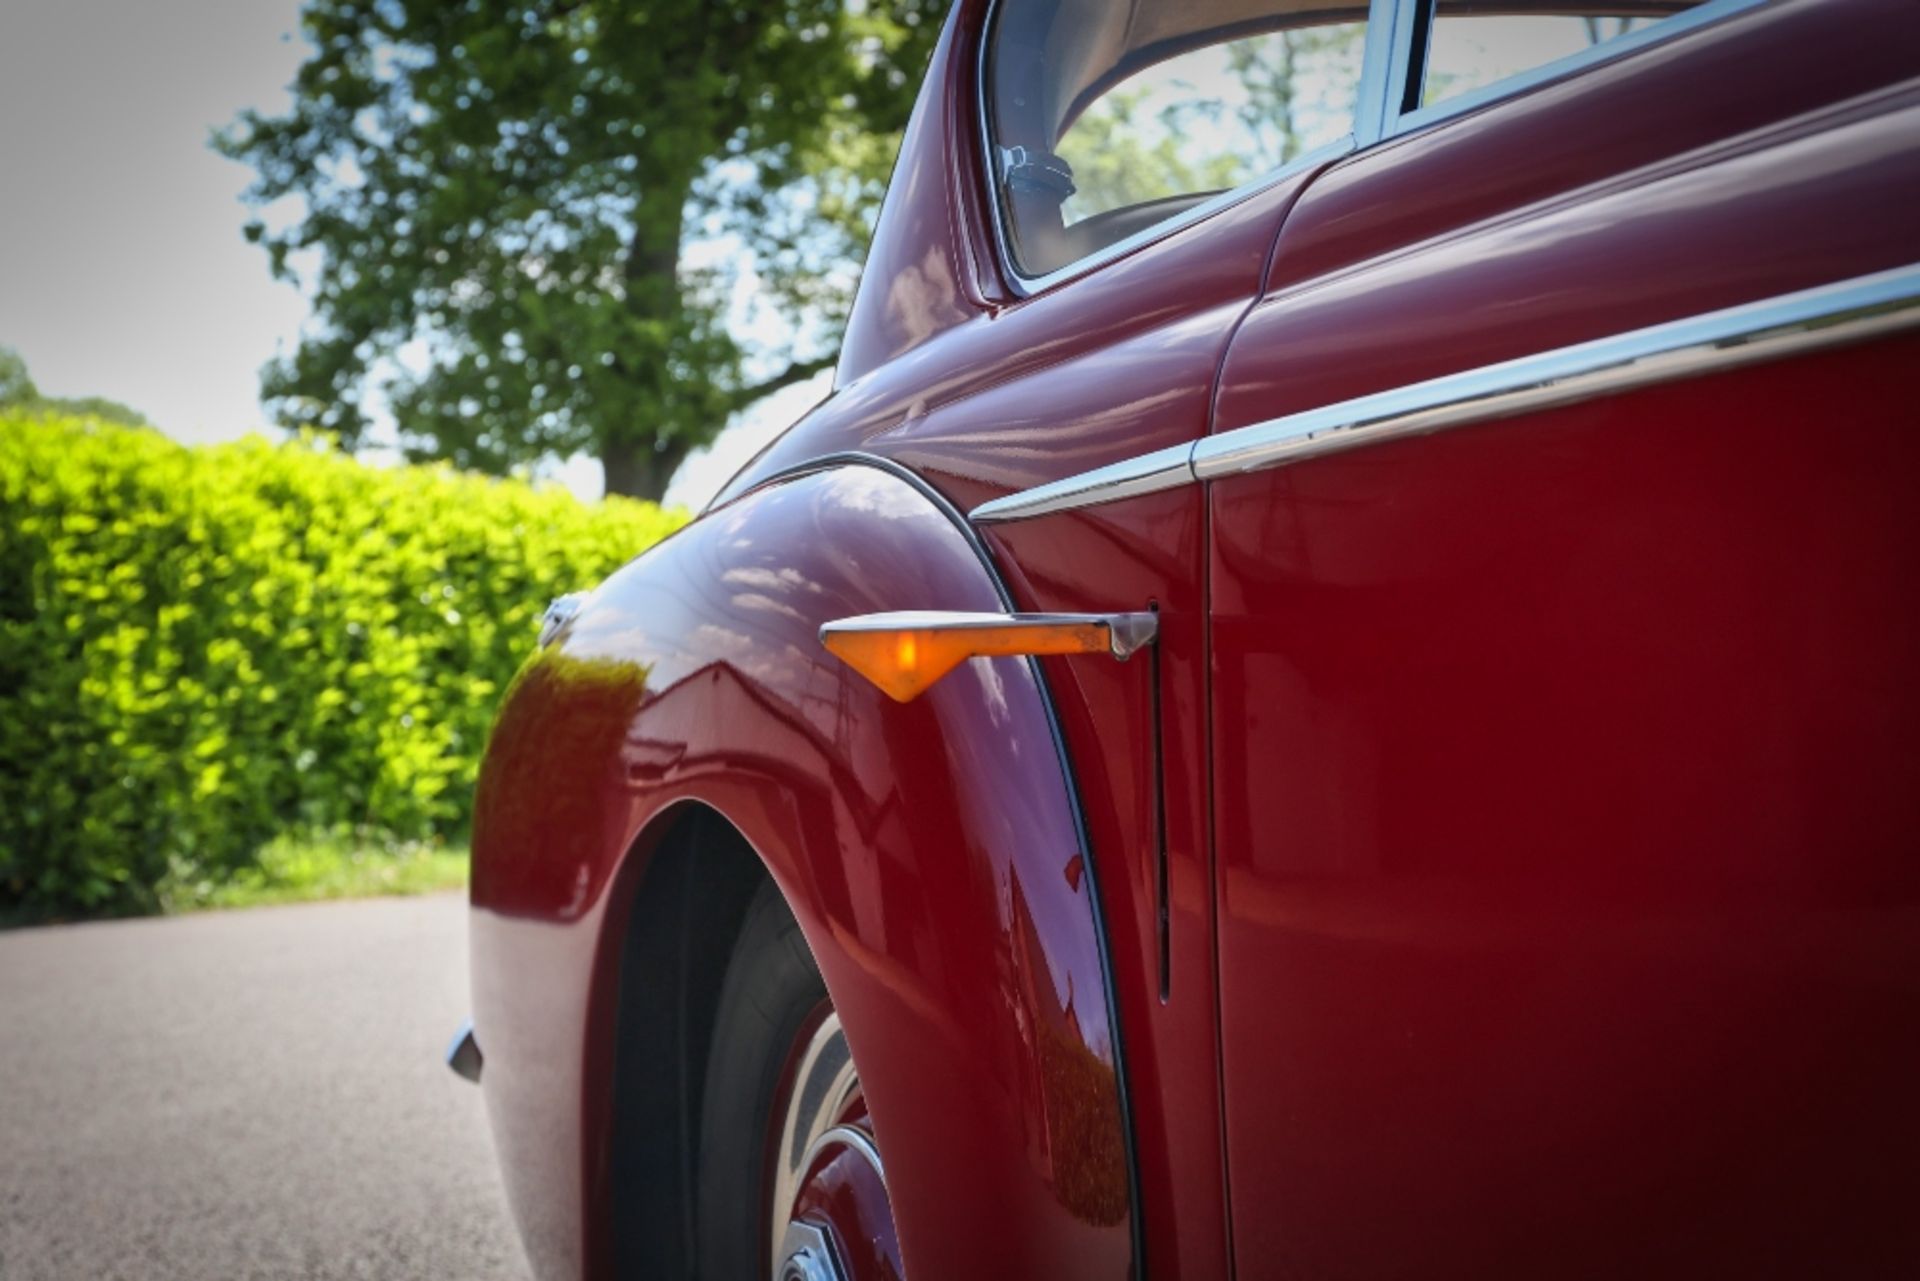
<point>16,384</point>
<point>100,407</point>
<point>302,869</point>
<point>18,394</point>
<point>511,184</point>
<point>202,649</point>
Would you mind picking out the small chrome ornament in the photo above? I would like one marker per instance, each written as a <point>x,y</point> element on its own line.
<point>559,613</point>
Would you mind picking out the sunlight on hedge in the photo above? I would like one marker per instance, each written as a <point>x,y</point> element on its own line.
<point>204,649</point>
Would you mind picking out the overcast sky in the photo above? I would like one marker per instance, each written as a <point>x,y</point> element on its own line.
<point>123,272</point>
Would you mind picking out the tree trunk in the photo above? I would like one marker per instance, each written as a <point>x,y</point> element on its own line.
<point>635,469</point>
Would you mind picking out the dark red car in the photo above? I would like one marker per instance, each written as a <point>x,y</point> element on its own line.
<point>1487,430</point>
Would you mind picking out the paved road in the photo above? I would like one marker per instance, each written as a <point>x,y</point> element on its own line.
<point>245,1094</point>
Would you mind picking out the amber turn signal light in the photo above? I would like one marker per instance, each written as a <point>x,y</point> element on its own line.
<point>905,653</point>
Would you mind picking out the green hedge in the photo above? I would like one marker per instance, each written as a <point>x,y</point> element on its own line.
<point>204,648</point>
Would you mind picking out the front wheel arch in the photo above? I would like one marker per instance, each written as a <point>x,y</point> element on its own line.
<point>684,918</point>
<point>932,853</point>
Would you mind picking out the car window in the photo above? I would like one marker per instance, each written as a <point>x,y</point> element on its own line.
<point>1476,43</point>
<point>1107,120</point>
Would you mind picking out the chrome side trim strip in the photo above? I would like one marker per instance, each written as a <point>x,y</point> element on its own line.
<point>1812,319</point>
<point>1146,474</point>
<point>1719,340</point>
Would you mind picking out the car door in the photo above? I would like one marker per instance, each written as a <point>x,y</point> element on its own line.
<point>1117,301</point>
<point>1563,729</point>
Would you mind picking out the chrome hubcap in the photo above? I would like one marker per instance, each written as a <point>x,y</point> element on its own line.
<point>805,1255</point>
<point>823,1085</point>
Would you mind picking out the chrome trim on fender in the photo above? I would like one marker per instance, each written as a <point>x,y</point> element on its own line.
<point>1791,324</point>
<point>559,612</point>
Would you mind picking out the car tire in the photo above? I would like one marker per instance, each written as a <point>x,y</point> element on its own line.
<point>772,993</point>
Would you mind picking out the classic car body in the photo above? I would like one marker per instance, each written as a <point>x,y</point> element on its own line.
<point>1506,857</point>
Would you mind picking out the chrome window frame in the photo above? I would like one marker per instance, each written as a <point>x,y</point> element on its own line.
<point>1418,17</point>
<point>1396,30</point>
<point>1371,102</point>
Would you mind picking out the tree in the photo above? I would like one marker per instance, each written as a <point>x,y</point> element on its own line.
<point>16,385</point>
<point>18,392</point>
<point>499,198</point>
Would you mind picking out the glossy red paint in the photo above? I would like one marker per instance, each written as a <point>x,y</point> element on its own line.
<point>1570,918</point>
<point>1133,352</point>
<point>1563,766</point>
<point>1800,201</point>
<point>1089,372</point>
<point>928,851</point>
<point>1522,833</point>
<point>1027,390</point>
<point>1669,103</point>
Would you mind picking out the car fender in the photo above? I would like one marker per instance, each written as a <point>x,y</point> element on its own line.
<point>931,852</point>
